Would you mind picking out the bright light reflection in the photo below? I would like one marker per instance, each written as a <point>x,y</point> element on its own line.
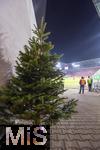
<point>58,65</point>
<point>66,68</point>
<point>75,65</point>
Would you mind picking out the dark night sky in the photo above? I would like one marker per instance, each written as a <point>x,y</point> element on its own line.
<point>75,28</point>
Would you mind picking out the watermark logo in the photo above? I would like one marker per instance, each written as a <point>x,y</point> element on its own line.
<point>29,136</point>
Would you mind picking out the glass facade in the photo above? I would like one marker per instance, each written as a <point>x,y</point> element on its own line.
<point>40,9</point>
<point>97,6</point>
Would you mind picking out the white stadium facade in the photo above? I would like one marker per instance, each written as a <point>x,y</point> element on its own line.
<point>17,19</point>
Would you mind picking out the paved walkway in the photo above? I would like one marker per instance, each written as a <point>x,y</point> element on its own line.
<point>82,131</point>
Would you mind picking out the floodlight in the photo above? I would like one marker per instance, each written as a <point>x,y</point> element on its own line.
<point>75,65</point>
<point>66,67</point>
<point>58,65</point>
<point>60,68</point>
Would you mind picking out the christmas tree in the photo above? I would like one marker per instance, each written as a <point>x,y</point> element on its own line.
<point>34,92</point>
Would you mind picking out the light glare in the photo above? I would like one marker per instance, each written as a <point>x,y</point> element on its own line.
<point>75,65</point>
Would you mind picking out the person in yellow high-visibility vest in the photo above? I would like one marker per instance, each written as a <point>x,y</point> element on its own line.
<point>89,81</point>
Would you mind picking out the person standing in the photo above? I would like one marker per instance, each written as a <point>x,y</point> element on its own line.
<point>82,83</point>
<point>89,81</point>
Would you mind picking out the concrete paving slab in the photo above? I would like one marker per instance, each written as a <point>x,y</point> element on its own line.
<point>82,131</point>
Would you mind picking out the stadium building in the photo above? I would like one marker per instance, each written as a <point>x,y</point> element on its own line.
<point>84,68</point>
